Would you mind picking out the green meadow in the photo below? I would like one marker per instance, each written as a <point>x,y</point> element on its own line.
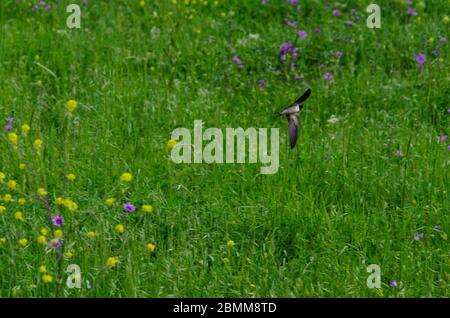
<point>87,179</point>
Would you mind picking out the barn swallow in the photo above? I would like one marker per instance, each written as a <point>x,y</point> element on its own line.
<point>291,115</point>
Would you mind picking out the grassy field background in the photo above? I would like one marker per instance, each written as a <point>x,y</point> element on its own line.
<point>370,188</point>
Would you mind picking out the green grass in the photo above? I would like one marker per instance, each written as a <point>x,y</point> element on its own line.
<point>340,201</point>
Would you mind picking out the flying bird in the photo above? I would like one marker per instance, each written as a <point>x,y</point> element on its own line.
<point>291,115</point>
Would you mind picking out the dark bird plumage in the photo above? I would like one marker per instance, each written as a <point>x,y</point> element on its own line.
<point>291,114</point>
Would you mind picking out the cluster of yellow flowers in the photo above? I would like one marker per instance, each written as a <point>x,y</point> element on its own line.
<point>46,278</point>
<point>67,203</point>
<point>16,201</point>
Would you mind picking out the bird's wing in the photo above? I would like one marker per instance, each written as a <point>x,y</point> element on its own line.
<point>292,129</point>
<point>293,107</point>
<point>302,98</point>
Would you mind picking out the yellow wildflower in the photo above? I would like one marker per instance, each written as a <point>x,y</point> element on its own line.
<point>230,243</point>
<point>44,231</point>
<point>12,185</point>
<point>446,19</point>
<point>2,176</point>
<point>110,201</point>
<point>38,144</point>
<point>119,228</point>
<point>151,247</point>
<point>147,208</point>
<point>71,177</point>
<point>2,209</point>
<point>42,269</point>
<point>23,242</point>
<point>22,166</point>
<point>13,138</point>
<point>42,192</point>
<point>22,201</point>
<point>25,129</point>
<point>58,233</point>
<point>91,234</point>
<point>7,197</point>
<point>2,240</point>
<point>18,216</point>
<point>47,278</point>
<point>112,261</point>
<point>170,144</point>
<point>126,177</point>
<point>70,205</point>
<point>142,3</point>
<point>68,254</point>
<point>41,239</point>
<point>59,201</point>
<point>71,105</point>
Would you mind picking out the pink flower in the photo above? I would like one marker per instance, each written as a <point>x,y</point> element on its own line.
<point>327,76</point>
<point>302,34</point>
<point>336,13</point>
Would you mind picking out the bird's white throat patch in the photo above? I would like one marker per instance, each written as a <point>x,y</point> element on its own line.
<point>238,146</point>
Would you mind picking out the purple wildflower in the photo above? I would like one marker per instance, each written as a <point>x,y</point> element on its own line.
<point>421,59</point>
<point>448,110</point>
<point>237,61</point>
<point>408,1</point>
<point>437,227</point>
<point>399,153</point>
<point>418,237</point>
<point>8,128</point>
<point>42,3</point>
<point>393,284</point>
<point>327,76</point>
<point>286,47</point>
<point>317,30</point>
<point>448,147</point>
<point>48,8</point>
<point>264,1</point>
<point>443,138</point>
<point>339,54</point>
<point>262,83</point>
<point>353,11</point>
<point>294,2</point>
<point>336,13</point>
<point>58,220</point>
<point>321,66</point>
<point>292,23</point>
<point>410,11</point>
<point>302,34</point>
<point>129,207</point>
<point>9,119</point>
<point>327,4</point>
<point>55,243</point>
